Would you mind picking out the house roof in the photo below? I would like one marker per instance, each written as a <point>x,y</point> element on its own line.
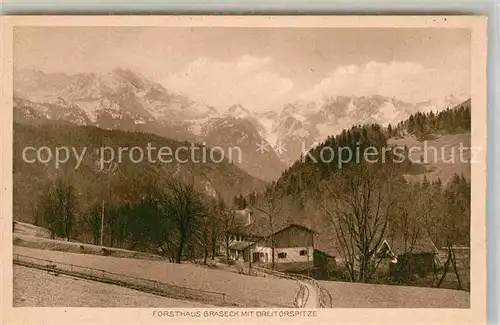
<point>260,226</point>
<point>421,245</point>
<point>323,252</point>
<point>240,245</point>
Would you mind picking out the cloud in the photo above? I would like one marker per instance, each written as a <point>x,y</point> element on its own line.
<point>404,80</point>
<point>247,81</point>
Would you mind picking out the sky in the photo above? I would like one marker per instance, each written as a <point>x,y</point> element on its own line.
<point>261,68</point>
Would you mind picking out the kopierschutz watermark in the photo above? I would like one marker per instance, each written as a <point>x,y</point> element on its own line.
<point>201,154</point>
<point>425,154</point>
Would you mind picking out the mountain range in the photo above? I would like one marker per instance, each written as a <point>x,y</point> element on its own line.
<point>122,99</point>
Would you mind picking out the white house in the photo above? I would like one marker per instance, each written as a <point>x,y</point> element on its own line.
<point>251,240</point>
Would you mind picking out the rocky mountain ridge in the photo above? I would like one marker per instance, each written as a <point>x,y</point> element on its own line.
<point>122,99</point>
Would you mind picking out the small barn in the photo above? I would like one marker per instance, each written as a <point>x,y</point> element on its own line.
<point>324,265</point>
<point>409,257</point>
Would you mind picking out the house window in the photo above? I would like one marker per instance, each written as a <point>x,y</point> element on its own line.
<point>230,238</point>
<point>281,255</point>
<point>303,252</point>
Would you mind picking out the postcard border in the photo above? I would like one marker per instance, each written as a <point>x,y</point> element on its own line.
<point>475,315</point>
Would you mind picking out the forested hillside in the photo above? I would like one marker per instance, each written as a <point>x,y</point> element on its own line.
<point>309,169</point>
<point>355,204</point>
<point>449,121</point>
<point>115,181</point>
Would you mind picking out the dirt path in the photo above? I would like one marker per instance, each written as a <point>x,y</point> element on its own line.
<point>313,299</point>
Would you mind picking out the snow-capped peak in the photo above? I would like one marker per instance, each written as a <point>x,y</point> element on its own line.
<point>238,111</point>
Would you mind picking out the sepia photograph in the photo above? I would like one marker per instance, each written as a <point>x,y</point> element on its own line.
<point>272,167</point>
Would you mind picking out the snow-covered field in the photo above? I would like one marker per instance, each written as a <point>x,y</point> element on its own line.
<point>243,289</point>
<point>77,247</point>
<point>37,288</point>
<point>362,295</point>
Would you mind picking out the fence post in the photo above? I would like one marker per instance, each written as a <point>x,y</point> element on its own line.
<point>103,274</point>
<point>223,298</point>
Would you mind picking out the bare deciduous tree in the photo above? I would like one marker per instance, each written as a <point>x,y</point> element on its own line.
<point>359,202</point>
<point>183,206</point>
<point>456,224</point>
<point>271,206</point>
<point>58,208</point>
<point>228,225</point>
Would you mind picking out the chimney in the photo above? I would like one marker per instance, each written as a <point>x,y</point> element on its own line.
<point>249,216</point>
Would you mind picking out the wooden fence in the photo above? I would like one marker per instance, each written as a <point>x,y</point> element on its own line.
<point>141,284</point>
